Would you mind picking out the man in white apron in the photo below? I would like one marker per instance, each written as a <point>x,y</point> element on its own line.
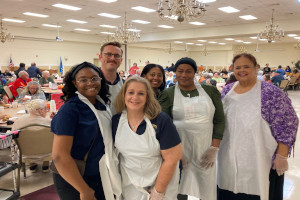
<point>111,59</point>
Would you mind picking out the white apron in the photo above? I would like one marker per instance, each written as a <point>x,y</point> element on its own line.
<point>246,151</point>
<point>140,162</point>
<point>193,118</point>
<point>110,176</point>
<point>114,91</point>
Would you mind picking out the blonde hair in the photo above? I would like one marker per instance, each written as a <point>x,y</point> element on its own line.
<point>152,107</point>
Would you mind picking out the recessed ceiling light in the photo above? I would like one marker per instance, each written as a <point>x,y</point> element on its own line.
<point>222,43</point>
<point>206,1</point>
<point>50,25</point>
<point>13,20</point>
<point>229,39</point>
<point>197,23</point>
<point>212,42</point>
<point>140,21</point>
<point>35,14</point>
<point>247,17</point>
<point>199,44</point>
<point>178,42</point>
<point>64,6</point>
<point>109,15</point>
<point>107,33</point>
<point>254,37</point>
<point>262,39</point>
<point>81,29</point>
<point>238,40</point>
<point>297,38</point>
<point>172,17</point>
<point>76,21</point>
<point>108,1</point>
<point>107,26</point>
<point>143,9</point>
<point>165,26</point>
<point>133,30</point>
<point>292,35</point>
<point>189,43</point>
<point>229,9</point>
<point>247,42</point>
<point>201,40</point>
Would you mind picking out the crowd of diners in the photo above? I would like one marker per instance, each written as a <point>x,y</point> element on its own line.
<point>147,136</point>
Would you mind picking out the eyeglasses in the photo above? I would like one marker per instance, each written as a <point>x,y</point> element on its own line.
<point>86,80</point>
<point>158,75</point>
<point>109,55</point>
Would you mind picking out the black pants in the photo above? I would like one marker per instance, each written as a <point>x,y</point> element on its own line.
<point>67,192</point>
<point>275,190</point>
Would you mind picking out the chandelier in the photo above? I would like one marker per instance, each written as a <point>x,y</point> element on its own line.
<point>170,49</point>
<point>271,32</point>
<point>3,35</point>
<point>181,9</point>
<point>240,49</point>
<point>125,33</point>
<point>205,52</point>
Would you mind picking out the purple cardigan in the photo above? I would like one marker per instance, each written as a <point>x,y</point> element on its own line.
<point>277,110</point>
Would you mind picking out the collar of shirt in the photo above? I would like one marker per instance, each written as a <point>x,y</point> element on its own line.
<point>115,82</point>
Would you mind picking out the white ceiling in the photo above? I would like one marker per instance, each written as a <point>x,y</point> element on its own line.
<point>218,24</point>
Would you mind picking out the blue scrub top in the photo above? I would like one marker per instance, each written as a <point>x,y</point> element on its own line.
<point>76,119</point>
<point>166,132</point>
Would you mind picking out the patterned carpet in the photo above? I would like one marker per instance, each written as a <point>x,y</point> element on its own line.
<point>47,193</point>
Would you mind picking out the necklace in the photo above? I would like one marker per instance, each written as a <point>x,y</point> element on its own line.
<point>134,125</point>
<point>187,93</point>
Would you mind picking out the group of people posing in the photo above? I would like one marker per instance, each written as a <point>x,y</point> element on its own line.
<point>136,140</point>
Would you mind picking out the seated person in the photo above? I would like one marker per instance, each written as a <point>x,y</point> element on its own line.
<point>44,81</point>
<point>21,82</point>
<point>33,90</point>
<point>37,115</point>
<point>6,73</point>
<point>277,78</point>
<point>217,77</point>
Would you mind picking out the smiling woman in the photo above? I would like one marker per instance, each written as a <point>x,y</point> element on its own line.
<point>83,133</point>
<point>148,144</point>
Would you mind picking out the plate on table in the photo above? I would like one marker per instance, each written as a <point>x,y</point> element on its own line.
<point>2,122</point>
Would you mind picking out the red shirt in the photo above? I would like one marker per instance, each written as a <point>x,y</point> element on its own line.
<point>19,83</point>
<point>133,69</point>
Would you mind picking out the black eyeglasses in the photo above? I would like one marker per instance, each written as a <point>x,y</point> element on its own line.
<point>109,55</point>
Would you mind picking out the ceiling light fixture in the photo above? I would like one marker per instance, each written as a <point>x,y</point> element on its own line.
<point>109,15</point>
<point>4,36</point>
<point>35,14</point>
<point>107,26</point>
<point>76,21</point>
<point>247,17</point>
<point>201,40</point>
<point>140,21</point>
<point>229,39</point>
<point>197,23</point>
<point>204,52</point>
<point>13,20</point>
<point>165,26</point>
<point>229,9</point>
<point>108,1</point>
<point>170,49</point>
<point>81,29</point>
<point>143,9</point>
<point>183,9</point>
<point>67,7</point>
<point>107,33</point>
<point>50,25</point>
<point>125,36</point>
<point>271,32</point>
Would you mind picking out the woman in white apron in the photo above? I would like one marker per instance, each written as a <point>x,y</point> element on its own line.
<point>83,124</point>
<point>260,122</point>
<point>197,113</point>
<point>148,144</point>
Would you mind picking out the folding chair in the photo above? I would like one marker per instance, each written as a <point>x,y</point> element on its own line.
<point>284,85</point>
<point>34,144</point>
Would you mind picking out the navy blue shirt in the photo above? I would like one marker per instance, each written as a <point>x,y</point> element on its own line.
<point>277,80</point>
<point>76,119</point>
<point>33,72</point>
<point>166,132</point>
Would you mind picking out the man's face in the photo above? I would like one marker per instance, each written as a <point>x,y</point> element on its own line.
<point>25,76</point>
<point>109,58</point>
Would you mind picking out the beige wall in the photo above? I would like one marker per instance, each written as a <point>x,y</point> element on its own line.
<point>77,50</point>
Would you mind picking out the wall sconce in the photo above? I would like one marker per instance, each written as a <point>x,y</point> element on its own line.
<point>66,58</point>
